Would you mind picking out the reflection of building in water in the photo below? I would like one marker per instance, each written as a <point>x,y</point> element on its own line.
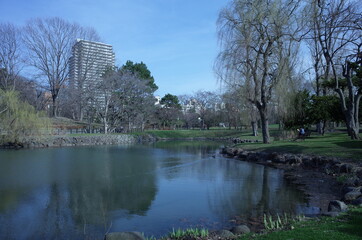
<point>74,194</point>
<point>113,185</point>
<point>79,193</point>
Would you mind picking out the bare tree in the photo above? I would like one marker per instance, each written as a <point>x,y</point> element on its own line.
<point>10,61</point>
<point>317,58</point>
<point>257,39</point>
<point>337,24</point>
<point>102,96</point>
<point>189,115</point>
<point>134,101</point>
<point>232,109</point>
<point>27,89</point>
<point>206,105</point>
<point>49,42</point>
<point>352,70</point>
<point>128,101</point>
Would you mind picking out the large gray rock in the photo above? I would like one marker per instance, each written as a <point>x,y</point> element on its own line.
<point>349,189</point>
<point>294,159</point>
<point>352,195</point>
<point>224,234</point>
<point>241,229</point>
<point>359,172</point>
<point>278,158</point>
<point>243,155</point>
<point>124,236</point>
<point>337,206</point>
<point>346,168</point>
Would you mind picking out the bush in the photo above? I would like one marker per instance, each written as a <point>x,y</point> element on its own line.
<point>19,119</point>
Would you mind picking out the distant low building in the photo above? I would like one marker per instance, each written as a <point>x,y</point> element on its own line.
<point>158,100</point>
<point>191,105</point>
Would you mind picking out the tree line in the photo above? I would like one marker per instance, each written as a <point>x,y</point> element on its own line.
<point>263,45</point>
<point>44,48</point>
<point>290,62</point>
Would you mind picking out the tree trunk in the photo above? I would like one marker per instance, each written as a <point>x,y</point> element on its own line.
<point>320,128</point>
<point>350,108</point>
<point>324,123</point>
<point>54,107</point>
<point>105,125</point>
<point>254,126</point>
<point>81,114</point>
<point>281,125</point>
<point>352,126</point>
<point>264,125</point>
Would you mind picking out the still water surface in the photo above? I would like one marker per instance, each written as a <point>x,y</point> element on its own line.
<point>84,192</point>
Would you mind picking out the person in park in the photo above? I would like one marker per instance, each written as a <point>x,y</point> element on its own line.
<point>301,132</point>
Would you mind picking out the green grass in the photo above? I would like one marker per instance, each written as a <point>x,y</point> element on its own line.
<point>196,133</point>
<point>346,227</point>
<point>337,144</point>
<point>331,144</point>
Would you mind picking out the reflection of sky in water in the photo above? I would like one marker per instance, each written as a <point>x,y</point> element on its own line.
<point>87,191</point>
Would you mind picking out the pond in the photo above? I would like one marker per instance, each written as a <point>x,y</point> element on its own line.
<point>84,192</point>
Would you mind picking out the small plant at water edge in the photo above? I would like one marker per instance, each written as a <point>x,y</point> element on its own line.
<point>343,178</point>
<point>280,222</point>
<point>149,238</point>
<point>190,232</point>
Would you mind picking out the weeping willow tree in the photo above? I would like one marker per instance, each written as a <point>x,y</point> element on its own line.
<point>258,39</point>
<point>19,119</point>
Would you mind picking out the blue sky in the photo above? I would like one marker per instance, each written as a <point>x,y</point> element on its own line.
<point>175,38</point>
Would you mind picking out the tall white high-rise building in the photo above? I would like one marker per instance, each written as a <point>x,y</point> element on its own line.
<point>88,63</point>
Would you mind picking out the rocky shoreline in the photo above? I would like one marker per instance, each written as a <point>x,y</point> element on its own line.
<point>323,179</point>
<point>84,140</point>
<point>221,139</point>
<point>108,139</point>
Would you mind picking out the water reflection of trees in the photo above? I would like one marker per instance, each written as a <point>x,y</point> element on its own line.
<point>116,180</point>
<point>201,148</point>
<point>179,154</point>
<point>237,187</point>
<point>260,190</point>
<point>73,192</point>
<point>78,191</point>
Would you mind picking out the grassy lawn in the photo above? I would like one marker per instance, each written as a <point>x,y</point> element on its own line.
<point>194,133</point>
<point>331,144</point>
<point>346,227</point>
<point>337,144</point>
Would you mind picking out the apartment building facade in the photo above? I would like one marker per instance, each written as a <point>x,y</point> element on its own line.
<point>87,64</point>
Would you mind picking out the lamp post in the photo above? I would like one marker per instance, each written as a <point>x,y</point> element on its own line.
<point>201,123</point>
